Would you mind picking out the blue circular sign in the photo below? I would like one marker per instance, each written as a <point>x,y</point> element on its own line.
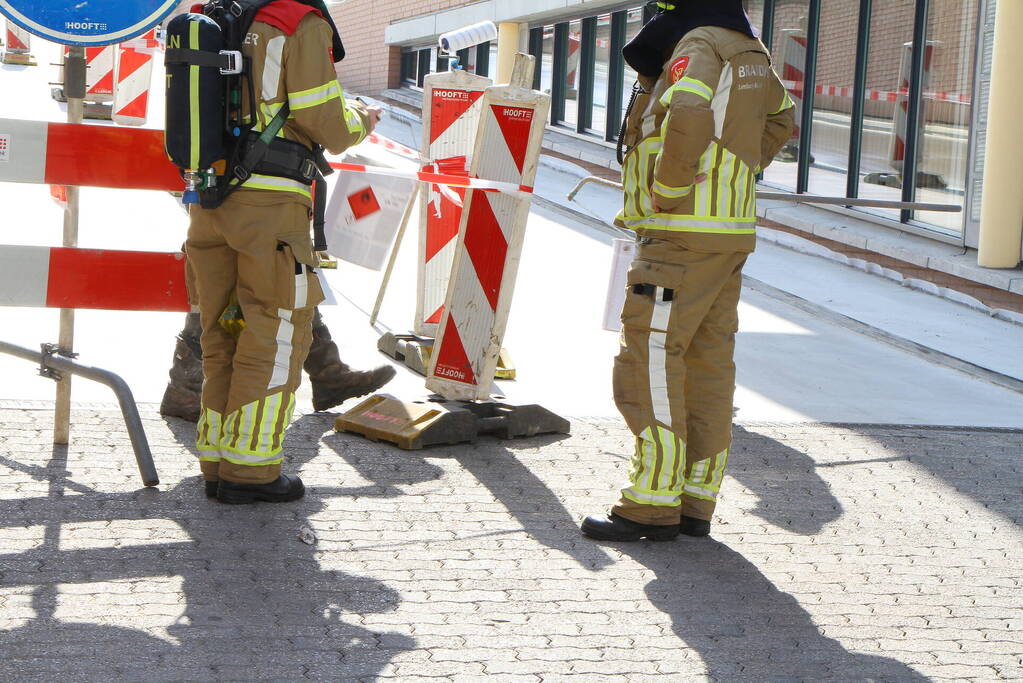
<point>87,22</point>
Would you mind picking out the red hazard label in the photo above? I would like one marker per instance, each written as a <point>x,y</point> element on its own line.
<point>364,203</point>
<point>678,68</point>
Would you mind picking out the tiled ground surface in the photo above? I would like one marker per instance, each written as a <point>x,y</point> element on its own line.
<point>840,553</point>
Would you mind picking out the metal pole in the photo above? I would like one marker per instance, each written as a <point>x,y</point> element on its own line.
<point>913,118</point>
<point>74,88</point>
<point>587,75</point>
<point>394,253</point>
<point>813,28</point>
<point>852,188</point>
<point>799,198</point>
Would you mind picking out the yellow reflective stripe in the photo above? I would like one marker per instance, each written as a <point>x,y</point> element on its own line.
<point>259,443</point>
<point>704,481</point>
<point>354,124</point>
<point>304,99</point>
<point>208,430</point>
<point>268,182</point>
<point>644,497</point>
<point>193,97</point>
<point>657,463</point>
<point>687,84</point>
<point>671,192</point>
<point>786,102</point>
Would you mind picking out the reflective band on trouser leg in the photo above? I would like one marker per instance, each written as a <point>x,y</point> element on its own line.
<point>655,478</point>
<point>704,479</point>
<point>657,466</point>
<point>207,438</point>
<point>254,434</point>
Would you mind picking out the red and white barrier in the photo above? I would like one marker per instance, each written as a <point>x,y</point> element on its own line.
<point>18,51</point>
<point>468,344</point>
<point>897,148</point>
<point>794,61</point>
<point>134,159</point>
<point>574,54</point>
<point>99,73</point>
<point>19,41</point>
<point>86,155</point>
<point>134,76</point>
<point>54,277</point>
<point>450,123</point>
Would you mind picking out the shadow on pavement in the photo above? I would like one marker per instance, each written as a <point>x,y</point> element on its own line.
<point>256,602</point>
<point>790,492</point>
<point>740,624</point>
<point>501,469</point>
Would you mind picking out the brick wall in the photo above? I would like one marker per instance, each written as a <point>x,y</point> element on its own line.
<point>371,66</point>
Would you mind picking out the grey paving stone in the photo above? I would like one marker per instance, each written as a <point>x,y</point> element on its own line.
<point>838,553</point>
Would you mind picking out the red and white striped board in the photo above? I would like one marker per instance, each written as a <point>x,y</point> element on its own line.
<point>54,277</point>
<point>897,147</point>
<point>99,73</point>
<point>450,123</point>
<point>468,344</point>
<point>18,51</point>
<point>134,76</point>
<point>19,41</point>
<point>85,155</point>
<point>794,61</point>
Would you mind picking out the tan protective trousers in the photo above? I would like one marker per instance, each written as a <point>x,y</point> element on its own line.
<point>674,378</point>
<point>263,255</point>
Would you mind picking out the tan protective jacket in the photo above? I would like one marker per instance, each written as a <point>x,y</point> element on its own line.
<point>298,69</point>
<point>717,109</point>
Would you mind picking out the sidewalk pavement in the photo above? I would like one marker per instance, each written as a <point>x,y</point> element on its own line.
<point>838,552</point>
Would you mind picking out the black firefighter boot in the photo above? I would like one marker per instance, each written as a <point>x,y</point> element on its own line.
<point>334,382</point>
<point>184,391</point>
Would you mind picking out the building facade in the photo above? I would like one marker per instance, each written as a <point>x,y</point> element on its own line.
<point>883,121</point>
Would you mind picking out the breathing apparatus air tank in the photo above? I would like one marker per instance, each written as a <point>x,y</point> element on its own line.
<point>195,103</point>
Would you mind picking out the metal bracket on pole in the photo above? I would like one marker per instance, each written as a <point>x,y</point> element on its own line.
<point>55,363</point>
<point>49,351</point>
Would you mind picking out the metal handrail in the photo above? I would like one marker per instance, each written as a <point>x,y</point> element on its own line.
<point>52,365</point>
<point>802,198</point>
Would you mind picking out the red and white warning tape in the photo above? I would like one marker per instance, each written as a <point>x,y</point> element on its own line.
<point>437,178</point>
<point>881,95</point>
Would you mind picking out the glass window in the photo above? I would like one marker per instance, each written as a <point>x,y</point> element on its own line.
<point>947,110</point>
<point>632,27</point>
<point>409,65</point>
<point>832,104</point>
<point>789,55</point>
<point>891,36</point>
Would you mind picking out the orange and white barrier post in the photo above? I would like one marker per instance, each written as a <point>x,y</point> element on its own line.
<point>18,51</point>
<point>450,121</point>
<point>468,345</point>
<point>134,76</point>
<point>794,61</point>
<point>897,148</point>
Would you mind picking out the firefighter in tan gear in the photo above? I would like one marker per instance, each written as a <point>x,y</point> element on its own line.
<point>709,114</point>
<point>256,249</point>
